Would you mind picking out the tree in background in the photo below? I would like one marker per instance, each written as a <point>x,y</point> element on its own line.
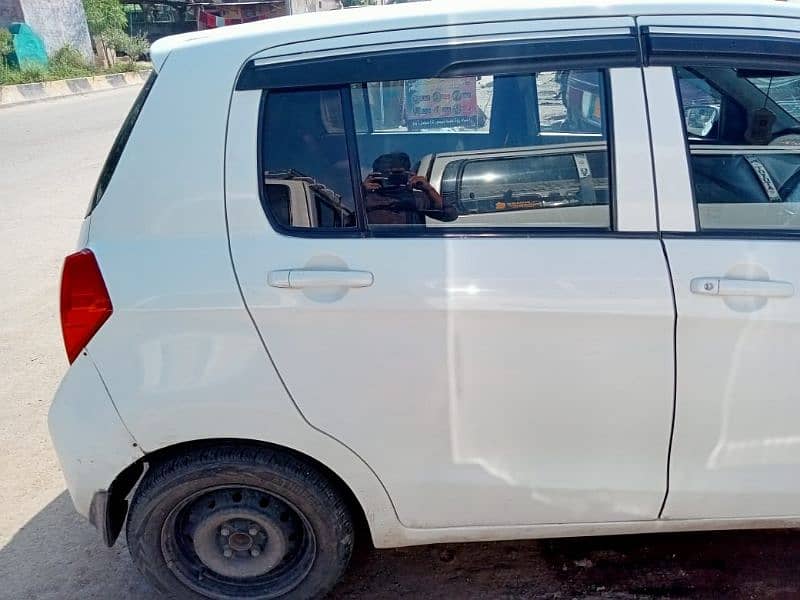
<point>104,15</point>
<point>6,46</point>
<point>107,22</point>
<point>132,46</point>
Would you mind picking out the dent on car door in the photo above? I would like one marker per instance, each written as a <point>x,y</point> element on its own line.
<point>491,337</point>
<point>735,261</point>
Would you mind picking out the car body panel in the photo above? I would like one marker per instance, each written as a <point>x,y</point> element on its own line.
<point>180,355</point>
<point>735,450</point>
<point>92,442</point>
<point>183,360</point>
<point>496,415</point>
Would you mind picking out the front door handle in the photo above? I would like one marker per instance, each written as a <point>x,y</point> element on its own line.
<point>299,279</point>
<point>722,286</point>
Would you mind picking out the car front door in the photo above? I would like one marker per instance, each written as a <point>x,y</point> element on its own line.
<point>496,340</point>
<point>725,132</point>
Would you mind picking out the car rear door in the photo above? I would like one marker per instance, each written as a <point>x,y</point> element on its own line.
<point>490,373</point>
<point>724,107</point>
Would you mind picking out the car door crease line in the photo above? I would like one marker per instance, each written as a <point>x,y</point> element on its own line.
<point>674,375</point>
<point>642,49</point>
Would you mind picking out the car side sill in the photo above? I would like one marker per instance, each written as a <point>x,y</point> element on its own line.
<point>412,537</point>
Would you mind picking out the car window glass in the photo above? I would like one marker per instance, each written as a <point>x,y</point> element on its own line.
<point>306,169</point>
<point>485,151</point>
<point>701,104</point>
<point>783,89</point>
<point>578,90</point>
<point>431,105</point>
<point>744,146</point>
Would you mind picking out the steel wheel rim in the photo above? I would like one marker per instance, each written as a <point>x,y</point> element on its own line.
<point>268,549</point>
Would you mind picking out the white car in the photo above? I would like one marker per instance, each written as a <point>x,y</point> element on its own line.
<point>439,272</point>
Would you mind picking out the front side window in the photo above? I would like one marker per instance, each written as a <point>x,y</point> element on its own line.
<point>744,141</point>
<point>485,151</point>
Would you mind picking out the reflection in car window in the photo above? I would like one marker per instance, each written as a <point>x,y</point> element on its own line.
<point>402,106</point>
<point>305,164</point>
<point>744,142</point>
<point>701,104</point>
<point>783,89</point>
<point>570,101</point>
<point>490,151</point>
<point>524,182</point>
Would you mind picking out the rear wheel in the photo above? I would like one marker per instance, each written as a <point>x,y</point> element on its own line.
<point>236,522</point>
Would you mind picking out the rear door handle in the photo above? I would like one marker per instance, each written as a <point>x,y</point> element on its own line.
<point>722,286</point>
<point>300,279</point>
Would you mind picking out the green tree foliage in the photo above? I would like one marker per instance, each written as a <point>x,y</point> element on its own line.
<point>133,46</point>
<point>67,62</point>
<point>6,45</point>
<point>104,15</point>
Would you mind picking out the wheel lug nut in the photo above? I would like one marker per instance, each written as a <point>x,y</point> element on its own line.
<point>227,553</point>
<point>225,532</point>
<point>253,531</point>
<point>255,552</point>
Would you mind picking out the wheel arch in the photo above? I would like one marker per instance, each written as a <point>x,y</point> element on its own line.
<point>110,514</point>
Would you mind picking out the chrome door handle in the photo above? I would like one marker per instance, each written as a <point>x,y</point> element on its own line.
<point>300,279</point>
<point>722,286</point>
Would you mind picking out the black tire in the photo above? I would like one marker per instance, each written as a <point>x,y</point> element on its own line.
<point>288,510</point>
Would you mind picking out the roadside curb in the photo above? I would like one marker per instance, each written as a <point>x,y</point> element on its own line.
<point>11,95</point>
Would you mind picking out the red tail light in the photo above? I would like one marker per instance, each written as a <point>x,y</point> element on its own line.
<point>85,303</point>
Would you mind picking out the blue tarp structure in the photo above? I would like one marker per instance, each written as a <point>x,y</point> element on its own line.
<point>28,47</point>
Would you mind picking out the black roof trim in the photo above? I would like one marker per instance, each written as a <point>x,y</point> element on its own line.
<point>496,58</point>
<point>712,50</point>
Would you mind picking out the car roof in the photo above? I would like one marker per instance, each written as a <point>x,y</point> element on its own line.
<point>374,19</point>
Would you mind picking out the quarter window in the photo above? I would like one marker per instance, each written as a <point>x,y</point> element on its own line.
<point>118,148</point>
<point>744,142</point>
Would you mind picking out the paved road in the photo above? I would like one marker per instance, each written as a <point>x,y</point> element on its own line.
<point>49,158</point>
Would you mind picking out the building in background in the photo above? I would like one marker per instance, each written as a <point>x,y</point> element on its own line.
<point>301,6</point>
<point>219,14</point>
<point>58,22</point>
<point>155,19</point>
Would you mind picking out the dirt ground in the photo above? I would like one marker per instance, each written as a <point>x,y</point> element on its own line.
<point>49,158</point>
<point>697,565</point>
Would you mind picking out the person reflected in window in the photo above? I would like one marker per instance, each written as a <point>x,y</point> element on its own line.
<point>395,195</point>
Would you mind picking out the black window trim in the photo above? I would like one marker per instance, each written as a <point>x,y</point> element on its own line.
<point>583,62</point>
<point>120,142</point>
<point>723,49</point>
<point>351,140</point>
<point>443,60</point>
<point>686,50</point>
<point>762,234</point>
<point>686,146</point>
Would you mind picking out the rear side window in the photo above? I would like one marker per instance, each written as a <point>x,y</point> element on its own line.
<point>744,146</point>
<point>119,144</point>
<point>480,151</point>
<point>489,151</point>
